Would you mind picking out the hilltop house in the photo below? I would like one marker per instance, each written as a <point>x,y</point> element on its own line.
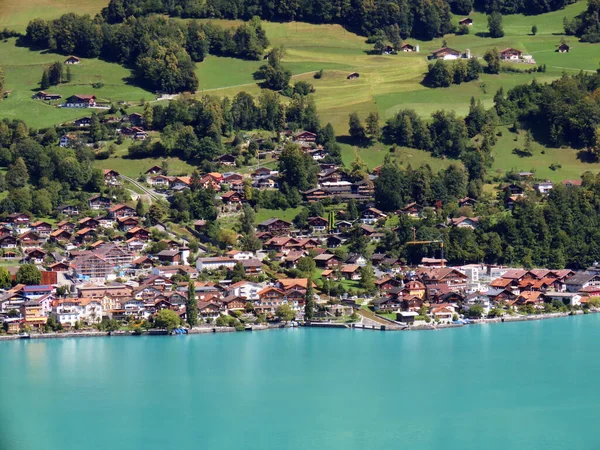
<point>80,101</point>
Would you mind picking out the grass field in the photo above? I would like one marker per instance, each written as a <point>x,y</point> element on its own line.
<point>16,14</point>
<point>387,83</point>
<point>23,71</point>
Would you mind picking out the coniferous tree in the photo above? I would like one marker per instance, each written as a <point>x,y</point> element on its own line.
<point>191,307</point>
<point>309,301</point>
<point>45,83</point>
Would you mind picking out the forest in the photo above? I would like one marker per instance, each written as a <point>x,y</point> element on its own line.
<point>422,19</point>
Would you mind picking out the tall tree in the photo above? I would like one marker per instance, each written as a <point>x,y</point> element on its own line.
<point>495,25</point>
<point>372,123</point>
<point>309,301</point>
<point>355,127</point>
<point>191,306</point>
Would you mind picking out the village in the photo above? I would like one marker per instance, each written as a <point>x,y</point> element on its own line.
<point>91,278</point>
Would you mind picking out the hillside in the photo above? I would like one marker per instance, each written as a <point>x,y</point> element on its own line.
<point>387,83</point>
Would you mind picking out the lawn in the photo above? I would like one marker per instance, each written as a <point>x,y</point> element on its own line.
<point>285,214</point>
<point>133,168</point>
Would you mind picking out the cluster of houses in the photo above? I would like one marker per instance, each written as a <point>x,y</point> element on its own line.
<point>132,128</point>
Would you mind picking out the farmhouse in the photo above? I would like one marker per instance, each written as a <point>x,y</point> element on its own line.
<point>67,140</point>
<point>466,21</point>
<point>72,60</point>
<point>446,53</point>
<point>563,48</point>
<point>80,101</point>
<point>410,48</point>
<point>45,96</point>
<point>353,76</point>
<point>510,54</point>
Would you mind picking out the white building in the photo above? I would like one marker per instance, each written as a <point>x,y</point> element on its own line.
<point>215,263</point>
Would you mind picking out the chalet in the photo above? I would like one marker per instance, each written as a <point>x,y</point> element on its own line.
<point>582,280</point>
<point>111,177</point>
<point>61,235</point>
<point>46,97</point>
<point>67,140</point>
<point>271,297</point>
<point>510,54</point>
<point>83,122</point>
<point>119,210</point>
<point>19,219</point>
<point>464,222</point>
<point>466,21</point>
<point>172,257</point>
<point>88,222</point>
<point>334,241</point>
<point>466,201</point>
<point>34,256</point>
<point>71,60</point>
<point>199,225</point>
<point>534,298</point>
<point>351,271</point>
<point>43,229</point>
<point>225,160</point>
<point>127,223</point>
<point>160,181</point>
<point>59,267</point>
<point>446,53</point>
<point>181,183</point>
<point>412,209</point>
<point>572,183</point>
<point>304,136</point>
<point>353,76</point>
<point>262,172</point>
<point>136,119</point>
<point>326,260</point>
<point>275,225</point>
<point>386,283</point>
<point>29,239</point>
<point>233,303</point>
<point>317,224</point>
<point>208,310</point>
<point>139,233</point>
<point>135,133</point>
<point>85,235</point>
<point>278,243</point>
<point>544,187</point>
<point>410,48</point>
<point>513,189</point>
<point>563,48</point>
<point>68,210</point>
<point>444,313</point>
<point>154,170</point>
<point>99,202</point>
<point>252,266</point>
<point>371,215</point>
<point>387,304</point>
<point>80,101</point>
<point>232,197</point>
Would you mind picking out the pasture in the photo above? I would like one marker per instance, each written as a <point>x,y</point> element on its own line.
<point>387,83</point>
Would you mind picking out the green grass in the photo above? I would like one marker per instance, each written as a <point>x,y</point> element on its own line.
<point>16,14</point>
<point>539,163</point>
<point>285,214</point>
<point>133,168</point>
<point>23,70</point>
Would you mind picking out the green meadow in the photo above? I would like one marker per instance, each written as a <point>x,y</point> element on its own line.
<point>387,83</point>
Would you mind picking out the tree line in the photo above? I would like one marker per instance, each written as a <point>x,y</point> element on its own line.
<point>162,52</point>
<point>587,24</point>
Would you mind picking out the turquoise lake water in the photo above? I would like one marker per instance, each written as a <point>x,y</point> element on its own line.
<point>505,386</point>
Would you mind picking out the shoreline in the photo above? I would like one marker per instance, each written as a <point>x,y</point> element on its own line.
<point>349,326</point>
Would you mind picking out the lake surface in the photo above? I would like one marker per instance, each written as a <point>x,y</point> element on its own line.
<point>505,386</point>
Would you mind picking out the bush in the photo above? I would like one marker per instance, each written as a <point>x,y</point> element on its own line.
<point>318,75</point>
<point>98,85</point>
